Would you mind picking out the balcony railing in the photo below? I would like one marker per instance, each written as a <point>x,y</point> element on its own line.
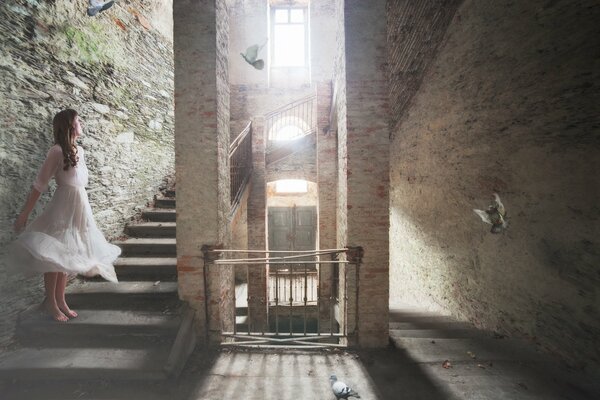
<point>240,164</point>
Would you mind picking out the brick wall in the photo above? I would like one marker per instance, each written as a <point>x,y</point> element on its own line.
<point>507,105</point>
<point>202,144</point>
<point>367,144</point>
<point>415,30</point>
<point>118,74</point>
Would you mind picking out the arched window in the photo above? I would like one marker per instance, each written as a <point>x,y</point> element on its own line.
<point>288,128</point>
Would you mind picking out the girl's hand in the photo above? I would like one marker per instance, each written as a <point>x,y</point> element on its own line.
<point>20,222</point>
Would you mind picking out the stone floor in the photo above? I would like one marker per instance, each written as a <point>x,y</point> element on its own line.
<point>430,357</point>
<point>256,375</point>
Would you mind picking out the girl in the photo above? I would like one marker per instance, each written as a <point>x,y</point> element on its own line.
<point>64,239</point>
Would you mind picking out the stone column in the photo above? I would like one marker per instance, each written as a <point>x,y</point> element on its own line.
<point>257,275</point>
<point>327,184</point>
<point>201,158</point>
<point>367,162</point>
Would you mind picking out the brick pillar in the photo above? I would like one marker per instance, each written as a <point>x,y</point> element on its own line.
<point>327,184</point>
<point>202,144</point>
<point>367,149</point>
<point>257,275</point>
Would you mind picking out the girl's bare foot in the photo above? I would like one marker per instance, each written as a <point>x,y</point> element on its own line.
<point>54,312</point>
<point>67,311</point>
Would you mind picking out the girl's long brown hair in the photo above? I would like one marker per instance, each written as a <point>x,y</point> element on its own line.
<point>62,125</point>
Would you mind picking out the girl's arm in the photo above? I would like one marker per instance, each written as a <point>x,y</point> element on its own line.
<point>21,221</point>
<point>46,172</point>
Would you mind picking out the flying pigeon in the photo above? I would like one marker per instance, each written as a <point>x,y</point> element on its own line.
<point>96,6</point>
<point>495,215</point>
<point>251,56</point>
<point>341,390</point>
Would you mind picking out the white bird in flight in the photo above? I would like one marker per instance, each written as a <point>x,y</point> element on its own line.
<point>251,56</point>
<point>495,215</point>
<point>341,390</point>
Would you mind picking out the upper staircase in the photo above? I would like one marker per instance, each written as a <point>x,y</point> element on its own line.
<point>136,329</point>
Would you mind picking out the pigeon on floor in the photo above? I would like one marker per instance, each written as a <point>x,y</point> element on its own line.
<point>96,6</point>
<point>341,390</point>
<point>251,56</point>
<point>495,215</point>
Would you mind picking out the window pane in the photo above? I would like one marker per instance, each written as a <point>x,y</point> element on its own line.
<point>281,16</point>
<point>291,186</point>
<point>289,45</point>
<point>297,15</point>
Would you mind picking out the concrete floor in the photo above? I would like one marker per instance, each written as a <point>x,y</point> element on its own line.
<point>483,366</point>
<point>257,375</point>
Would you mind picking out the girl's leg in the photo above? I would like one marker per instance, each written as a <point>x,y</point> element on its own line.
<point>50,280</point>
<point>61,283</point>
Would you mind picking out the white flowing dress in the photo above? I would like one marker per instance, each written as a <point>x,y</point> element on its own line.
<point>64,237</point>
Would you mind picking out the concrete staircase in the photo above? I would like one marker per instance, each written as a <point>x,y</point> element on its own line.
<point>137,329</point>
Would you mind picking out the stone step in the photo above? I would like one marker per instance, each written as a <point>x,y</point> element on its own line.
<point>156,296</point>
<point>159,214</point>
<point>169,193</point>
<point>135,247</point>
<point>85,363</point>
<point>146,268</point>
<point>164,202</point>
<point>98,329</point>
<point>151,229</point>
<point>437,333</point>
<point>430,324</point>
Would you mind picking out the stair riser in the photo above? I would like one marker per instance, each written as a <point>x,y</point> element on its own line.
<point>151,232</point>
<point>170,193</point>
<point>159,216</point>
<point>86,374</point>
<point>97,337</point>
<point>164,203</point>
<point>144,250</point>
<point>147,273</point>
<point>123,301</point>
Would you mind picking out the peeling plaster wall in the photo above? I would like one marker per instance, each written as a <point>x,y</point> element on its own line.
<point>508,105</point>
<point>117,71</point>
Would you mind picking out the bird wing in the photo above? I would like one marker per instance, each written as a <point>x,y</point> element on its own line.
<point>342,390</point>
<point>499,205</point>
<point>251,53</point>
<point>483,215</point>
<point>258,64</point>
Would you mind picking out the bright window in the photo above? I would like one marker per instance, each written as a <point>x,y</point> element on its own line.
<point>290,36</point>
<point>291,186</point>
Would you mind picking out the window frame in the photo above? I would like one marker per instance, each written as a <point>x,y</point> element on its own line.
<point>305,23</point>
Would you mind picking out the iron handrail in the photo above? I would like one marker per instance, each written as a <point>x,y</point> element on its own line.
<point>290,105</point>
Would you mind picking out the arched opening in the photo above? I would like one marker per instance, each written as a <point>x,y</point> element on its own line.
<point>288,128</point>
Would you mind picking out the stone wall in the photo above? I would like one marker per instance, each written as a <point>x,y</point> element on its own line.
<point>508,105</point>
<point>116,69</point>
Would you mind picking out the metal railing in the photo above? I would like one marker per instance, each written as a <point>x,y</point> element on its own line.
<point>294,283</point>
<point>240,163</point>
<point>300,114</point>
<point>298,312</point>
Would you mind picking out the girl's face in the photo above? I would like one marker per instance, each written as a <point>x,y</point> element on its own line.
<point>76,128</point>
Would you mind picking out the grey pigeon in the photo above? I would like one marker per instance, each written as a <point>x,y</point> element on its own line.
<point>341,390</point>
<point>495,215</point>
<point>251,56</point>
<point>96,6</point>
